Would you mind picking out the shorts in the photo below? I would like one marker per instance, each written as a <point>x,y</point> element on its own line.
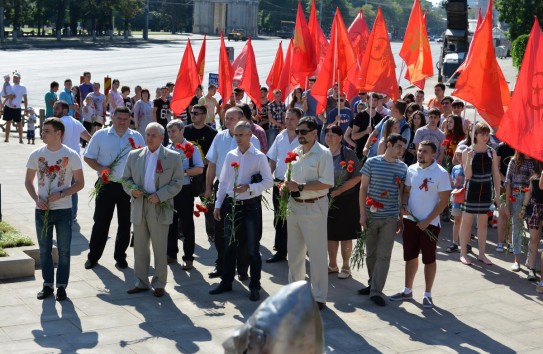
<point>12,114</point>
<point>415,241</point>
<point>534,220</point>
<point>456,212</point>
<point>30,134</point>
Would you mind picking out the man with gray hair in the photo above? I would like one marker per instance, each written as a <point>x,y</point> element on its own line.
<point>154,176</point>
<point>244,177</point>
<point>222,144</point>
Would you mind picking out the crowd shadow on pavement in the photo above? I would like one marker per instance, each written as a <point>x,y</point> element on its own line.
<point>161,318</point>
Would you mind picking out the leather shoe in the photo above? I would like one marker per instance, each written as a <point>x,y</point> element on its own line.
<point>61,293</point>
<point>221,288</point>
<point>255,295</point>
<point>321,305</point>
<point>123,264</point>
<point>159,292</point>
<point>214,274</point>
<point>243,277</point>
<point>136,290</point>
<point>365,291</point>
<point>379,301</point>
<point>45,292</point>
<point>276,258</point>
<point>187,265</point>
<point>172,260</point>
<point>89,264</point>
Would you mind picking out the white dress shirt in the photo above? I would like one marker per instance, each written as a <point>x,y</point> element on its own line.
<point>251,162</point>
<point>106,144</point>
<point>150,170</point>
<point>278,152</point>
<point>222,144</point>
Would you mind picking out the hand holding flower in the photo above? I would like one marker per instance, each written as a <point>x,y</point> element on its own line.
<point>153,199</point>
<point>136,193</point>
<point>41,204</point>
<point>292,186</point>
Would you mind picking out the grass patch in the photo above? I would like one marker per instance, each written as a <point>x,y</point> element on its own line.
<point>10,237</point>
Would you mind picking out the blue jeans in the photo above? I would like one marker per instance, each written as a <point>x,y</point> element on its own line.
<point>517,225</point>
<point>248,230</point>
<point>61,220</point>
<point>75,200</point>
<point>271,133</point>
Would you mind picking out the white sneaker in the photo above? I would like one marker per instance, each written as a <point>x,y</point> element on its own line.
<point>515,267</point>
<point>499,248</point>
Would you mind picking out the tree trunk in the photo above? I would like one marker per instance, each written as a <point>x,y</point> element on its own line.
<point>61,11</point>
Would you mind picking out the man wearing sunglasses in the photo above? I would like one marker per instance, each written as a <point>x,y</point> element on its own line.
<point>312,177</point>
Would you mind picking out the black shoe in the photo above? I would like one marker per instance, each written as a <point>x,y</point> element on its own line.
<point>221,288</point>
<point>61,293</point>
<point>215,273</point>
<point>365,291</point>
<point>276,258</point>
<point>379,301</point>
<point>321,305</point>
<point>255,295</point>
<point>123,264</point>
<point>45,292</point>
<point>89,264</point>
<point>243,277</point>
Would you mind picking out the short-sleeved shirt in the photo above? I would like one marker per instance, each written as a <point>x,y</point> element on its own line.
<point>405,132</point>
<point>311,106</point>
<point>105,145</point>
<point>197,160</point>
<point>72,132</point>
<point>383,186</point>
<point>519,178</point>
<point>435,103</point>
<point>84,90</point>
<point>426,184</point>
<point>346,117</point>
<point>315,165</point>
<point>341,175</point>
<point>424,133</point>
<point>504,151</point>
<point>458,177</point>
<point>202,138</point>
<point>19,91</point>
<point>278,152</point>
<point>277,111</point>
<point>68,96</point>
<point>98,103</point>
<point>162,111</point>
<point>51,180</point>
<point>50,96</point>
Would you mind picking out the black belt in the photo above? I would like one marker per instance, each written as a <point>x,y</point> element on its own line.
<point>278,180</point>
<point>245,201</point>
<point>310,200</point>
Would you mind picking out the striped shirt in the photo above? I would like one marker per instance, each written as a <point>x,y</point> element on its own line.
<point>383,186</point>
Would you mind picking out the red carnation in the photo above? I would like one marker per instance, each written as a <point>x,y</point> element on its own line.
<point>369,201</point>
<point>384,194</point>
<point>201,208</point>
<point>445,142</point>
<point>490,213</point>
<point>494,222</point>
<point>397,180</point>
<point>132,143</point>
<point>526,190</point>
<point>292,154</point>
<point>105,176</point>
<point>188,148</point>
<point>512,199</point>
<point>196,213</point>
<point>516,190</point>
<point>138,147</point>
<point>373,140</point>
<point>179,146</point>
<point>343,163</point>
<point>350,168</point>
<point>350,162</point>
<point>234,164</point>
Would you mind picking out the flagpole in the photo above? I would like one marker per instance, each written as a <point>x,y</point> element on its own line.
<point>401,72</point>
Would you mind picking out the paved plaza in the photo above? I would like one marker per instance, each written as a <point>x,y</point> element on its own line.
<point>478,309</point>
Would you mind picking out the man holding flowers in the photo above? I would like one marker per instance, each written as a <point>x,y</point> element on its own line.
<point>56,165</point>
<point>108,150</point>
<point>382,180</point>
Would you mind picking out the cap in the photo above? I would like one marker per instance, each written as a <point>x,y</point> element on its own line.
<point>16,74</point>
<point>30,109</point>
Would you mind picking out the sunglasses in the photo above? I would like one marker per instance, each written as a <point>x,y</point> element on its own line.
<point>302,132</point>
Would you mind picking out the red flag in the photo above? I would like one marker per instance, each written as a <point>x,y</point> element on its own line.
<point>415,49</point>
<point>358,35</point>
<point>186,82</point>
<point>522,125</point>
<point>470,50</point>
<point>275,72</point>
<point>304,61</point>
<point>378,70</point>
<point>482,82</point>
<point>339,59</point>
<point>250,82</point>
<point>239,64</point>
<point>201,62</point>
<point>286,84</point>
<point>320,42</point>
<point>226,73</point>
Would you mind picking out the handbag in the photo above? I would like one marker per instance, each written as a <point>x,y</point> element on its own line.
<point>197,183</point>
<point>459,195</point>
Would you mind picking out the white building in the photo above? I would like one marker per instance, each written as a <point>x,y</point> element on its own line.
<point>215,16</point>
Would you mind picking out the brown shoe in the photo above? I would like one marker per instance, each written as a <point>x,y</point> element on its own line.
<point>136,290</point>
<point>172,260</point>
<point>159,292</point>
<point>187,265</point>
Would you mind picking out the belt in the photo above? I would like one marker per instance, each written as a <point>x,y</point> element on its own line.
<point>246,201</point>
<point>308,201</point>
<point>278,180</point>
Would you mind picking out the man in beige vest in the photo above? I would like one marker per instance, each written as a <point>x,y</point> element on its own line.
<point>156,176</point>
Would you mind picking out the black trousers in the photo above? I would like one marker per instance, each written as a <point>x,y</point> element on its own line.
<point>220,245</point>
<point>88,127</point>
<point>280,243</point>
<point>184,204</point>
<point>111,195</point>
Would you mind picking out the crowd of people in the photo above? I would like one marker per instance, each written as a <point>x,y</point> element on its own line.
<point>364,170</point>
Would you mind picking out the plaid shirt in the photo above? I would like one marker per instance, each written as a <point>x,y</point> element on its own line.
<point>277,111</point>
<point>520,179</point>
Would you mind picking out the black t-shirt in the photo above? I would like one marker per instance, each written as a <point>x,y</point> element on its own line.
<point>505,152</point>
<point>362,120</point>
<point>200,137</point>
<point>162,111</point>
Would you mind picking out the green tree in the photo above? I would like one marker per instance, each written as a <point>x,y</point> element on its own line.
<point>519,15</point>
<point>129,9</point>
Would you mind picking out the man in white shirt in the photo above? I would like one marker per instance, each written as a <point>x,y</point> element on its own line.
<point>154,176</point>
<point>238,206</point>
<point>222,144</point>
<point>106,146</point>
<point>425,196</point>
<point>286,141</point>
<point>73,131</point>
<point>14,95</point>
<point>55,165</point>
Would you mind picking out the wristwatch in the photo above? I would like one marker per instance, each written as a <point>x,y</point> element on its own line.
<point>62,194</point>
<point>301,187</point>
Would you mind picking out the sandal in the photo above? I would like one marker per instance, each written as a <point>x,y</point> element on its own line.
<point>344,274</point>
<point>452,248</point>
<point>333,270</point>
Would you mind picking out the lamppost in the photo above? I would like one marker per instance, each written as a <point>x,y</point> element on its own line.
<point>146,28</point>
